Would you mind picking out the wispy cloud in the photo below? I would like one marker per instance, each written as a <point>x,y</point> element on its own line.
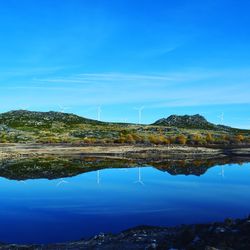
<point>29,71</point>
<point>194,87</point>
<point>108,77</point>
<point>159,50</point>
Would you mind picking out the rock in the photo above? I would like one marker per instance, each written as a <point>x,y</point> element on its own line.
<point>196,239</point>
<point>186,121</point>
<point>220,230</point>
<point>206,236</point>
<point>229,222</point>
<point>211,248</point>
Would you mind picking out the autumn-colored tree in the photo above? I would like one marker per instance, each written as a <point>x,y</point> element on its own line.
<point>137,138</point>
<point>164,140</point>
<point>121,139</point>
<point>153,139</point>
<point>226,137</point>
<point>108,140</point>
<point>209,138</point>
<point>158,139</point>
<point>181,139</point>
<point>172,139</point>
<point>89,140</point>
<point>86,140</point>
<point>129,139</point>
<point>196,139</point>
<point>239,138</point>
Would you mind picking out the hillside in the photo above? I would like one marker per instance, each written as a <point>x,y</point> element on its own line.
<point>193,122</point>
<point>186,121</point>
<point>24,118</point>
<point>56,127</point>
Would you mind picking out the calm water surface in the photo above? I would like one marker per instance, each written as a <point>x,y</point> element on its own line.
<point>111,200</point>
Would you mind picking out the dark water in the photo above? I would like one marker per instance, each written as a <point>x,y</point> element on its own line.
<point>111,200</point>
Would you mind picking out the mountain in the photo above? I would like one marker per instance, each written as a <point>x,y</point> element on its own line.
<point>57,127</point>
<point>191,122</point>
<point>24,118</point>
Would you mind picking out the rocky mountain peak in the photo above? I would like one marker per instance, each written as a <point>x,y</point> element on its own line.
<point>186,121</point>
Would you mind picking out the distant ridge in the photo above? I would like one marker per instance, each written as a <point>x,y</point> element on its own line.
<point>190,121</point>
<point>44,119</point>
<point>24,118</point>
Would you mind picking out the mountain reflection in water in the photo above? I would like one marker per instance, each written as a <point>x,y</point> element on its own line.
<point>59,167</point>
<point>62,199</point>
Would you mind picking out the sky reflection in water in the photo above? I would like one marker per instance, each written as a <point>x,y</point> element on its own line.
<point>112,200</point>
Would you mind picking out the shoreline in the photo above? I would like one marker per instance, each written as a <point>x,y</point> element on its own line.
<point>121,151</point>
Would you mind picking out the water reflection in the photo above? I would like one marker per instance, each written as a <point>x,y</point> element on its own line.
<point>98,177</point>
<point>92,195</point>
<point>61,182</point>
<point>62,167</point>
<point>139,181</point>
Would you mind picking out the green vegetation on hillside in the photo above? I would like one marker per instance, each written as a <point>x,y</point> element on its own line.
<point>55,127</point>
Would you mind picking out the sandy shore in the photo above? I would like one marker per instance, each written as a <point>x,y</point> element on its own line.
<point>124,151</point>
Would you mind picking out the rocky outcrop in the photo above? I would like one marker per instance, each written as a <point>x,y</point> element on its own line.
<point>230,234</point>
<point>190,121</point>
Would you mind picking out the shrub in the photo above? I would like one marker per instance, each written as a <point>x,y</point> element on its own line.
<point>239,138</point>
<point>172,139</point>
<point>195,139</point>
<point>121,139</point>
<point>164,140</point>
<point>209,138</point>
<point>181,139</point>
<point>153,139</point>
<point>89,140</point>
<point>137,138</point>
<point>129,139</point>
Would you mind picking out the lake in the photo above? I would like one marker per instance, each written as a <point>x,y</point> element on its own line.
<point>114,199</point>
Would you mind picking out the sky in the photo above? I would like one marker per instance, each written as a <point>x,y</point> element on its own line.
<point>169,57</point>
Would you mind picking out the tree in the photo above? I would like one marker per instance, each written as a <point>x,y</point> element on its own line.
<point>209,138</point>
<point>226,137</point>
<point>137,138</point>
<point>129,139</point>
<point>3,138</point>
<point>89,140</point>
<point>121,139</point>
<point>196,139</point>
<point>153,139</point>
<point>164,140</point>
<point>239,138</point>
<point>181,139</point>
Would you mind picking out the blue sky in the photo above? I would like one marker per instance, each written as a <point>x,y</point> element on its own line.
<point>171,57</point>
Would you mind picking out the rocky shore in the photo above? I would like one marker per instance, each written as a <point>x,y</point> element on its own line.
<point>227,235</point>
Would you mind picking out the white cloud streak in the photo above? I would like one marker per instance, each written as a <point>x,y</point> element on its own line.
<point>188,88</point>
